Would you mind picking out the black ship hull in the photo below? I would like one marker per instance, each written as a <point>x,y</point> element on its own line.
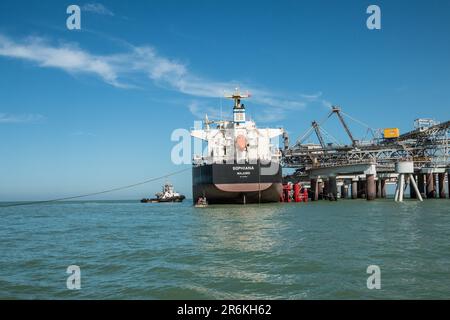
<point>237,183</point>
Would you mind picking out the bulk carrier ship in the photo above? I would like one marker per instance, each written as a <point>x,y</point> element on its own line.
<point>240,165</point>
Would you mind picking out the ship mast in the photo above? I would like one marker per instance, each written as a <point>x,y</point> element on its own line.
<point>239,108</point>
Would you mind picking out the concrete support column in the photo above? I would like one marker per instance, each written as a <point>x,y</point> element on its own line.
<point>412,192</point>
<point>441,184</point>
<point>370,186</point>
<point>332,188</point>
<point>378,187</point>
<point>314,190</point>
<point>344,191</point>
<point>421,184</point>
<point>431,187</point>
<point>354,189</point>
<point>383,188</point>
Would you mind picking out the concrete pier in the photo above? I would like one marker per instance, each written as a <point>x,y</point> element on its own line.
<point>370,187</point>
<point>441,185</point>
<point>431,187</point>
<point>348,172</point>
<point>354,189</point>
<point>314,190</point>
<point>332,188</point>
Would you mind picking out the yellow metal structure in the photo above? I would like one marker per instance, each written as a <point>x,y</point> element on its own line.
<point>390,133</point>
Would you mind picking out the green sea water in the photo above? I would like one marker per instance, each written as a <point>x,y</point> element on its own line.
<point>321,250</point>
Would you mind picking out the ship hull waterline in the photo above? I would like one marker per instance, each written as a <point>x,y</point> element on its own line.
<point>236,183</point>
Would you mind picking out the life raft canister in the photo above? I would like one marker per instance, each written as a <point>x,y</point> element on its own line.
<point>241,142</point>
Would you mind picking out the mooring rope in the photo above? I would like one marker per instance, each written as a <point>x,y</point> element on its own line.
<point>17,204</point>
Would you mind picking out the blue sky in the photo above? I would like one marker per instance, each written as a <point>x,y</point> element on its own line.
<point>82,111</point>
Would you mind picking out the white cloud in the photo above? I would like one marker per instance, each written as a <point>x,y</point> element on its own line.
<point>20,118</point>
<point>66,57</point>
<point>312,96</point>
<point>97,8</point>
<point>327,104</point>
<point>199,110</point>
<point>123,70</point>
<point>270,115</point>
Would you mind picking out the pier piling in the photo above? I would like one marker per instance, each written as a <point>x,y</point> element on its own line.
<point>332,188</point>
<point>344,191</point>
<point>354,189</point>
<point>314,190</point>
<point>412,191</point>
<point>421,184</point>
<point>431,187</point>
<point>361,189</point>
<point>370,186</point>
<point>448,182</point>
<point>326,188</point>
<point>321,188</point>
<point>378,187</point>
<point>441,185</point>
<point>383,188</point>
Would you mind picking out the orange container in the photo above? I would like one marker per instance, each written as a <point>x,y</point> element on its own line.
<point>390,133</point>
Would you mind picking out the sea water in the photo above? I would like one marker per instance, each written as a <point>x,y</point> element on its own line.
<point>315,250</point>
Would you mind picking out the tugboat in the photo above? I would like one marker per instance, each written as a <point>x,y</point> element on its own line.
<point>168,194</point>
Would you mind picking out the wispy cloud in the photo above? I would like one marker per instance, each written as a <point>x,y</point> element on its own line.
<point>199,110</point>
<point>97,8</point>
<point>20,118</point>
<point>67,57</point>
<point>312,96</point>
<point>270,115</point>
<point>127,69</point>
<point>327,104</point>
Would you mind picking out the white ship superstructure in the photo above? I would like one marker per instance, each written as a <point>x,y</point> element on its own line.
<point>238,141</point>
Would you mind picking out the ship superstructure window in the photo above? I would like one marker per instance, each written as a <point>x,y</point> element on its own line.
<point>239,116</point>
